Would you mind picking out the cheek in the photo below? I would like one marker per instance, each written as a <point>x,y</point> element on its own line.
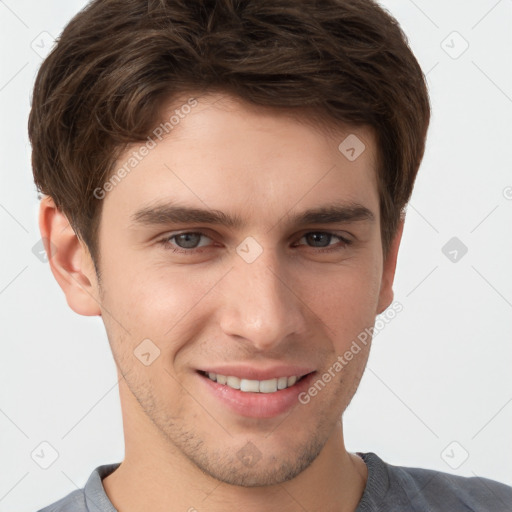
<point>344,301</point>
<point>159,303</point>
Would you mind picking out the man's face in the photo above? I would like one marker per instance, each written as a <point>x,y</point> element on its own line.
<point>265,299</point>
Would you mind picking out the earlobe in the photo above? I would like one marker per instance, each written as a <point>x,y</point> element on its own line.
<point>386,294</point>
<point>69,259</point>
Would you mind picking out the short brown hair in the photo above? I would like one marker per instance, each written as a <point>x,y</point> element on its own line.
<point>118,62</point>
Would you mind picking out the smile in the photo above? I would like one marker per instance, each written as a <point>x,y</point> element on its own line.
<point>254,386</point>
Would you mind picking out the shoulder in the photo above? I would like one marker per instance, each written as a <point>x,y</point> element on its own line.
<point>90,498</point>
<point>425,490</point>
<point>444,491</point>
<point>74,501</point>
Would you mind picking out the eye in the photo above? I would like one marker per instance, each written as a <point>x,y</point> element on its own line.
<point>323,239</point>
<point>188,242</point>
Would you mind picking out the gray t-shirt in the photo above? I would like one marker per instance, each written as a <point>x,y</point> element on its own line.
<point>388,488</point>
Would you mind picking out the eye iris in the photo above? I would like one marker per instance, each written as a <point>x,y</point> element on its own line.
<point>186,238</point>
<point>314,237</point>
<point>191,240</point>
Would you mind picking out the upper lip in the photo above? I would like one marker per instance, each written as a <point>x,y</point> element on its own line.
<point>253,373</point>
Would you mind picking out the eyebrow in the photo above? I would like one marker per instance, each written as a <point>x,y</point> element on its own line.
<point>168,213</point>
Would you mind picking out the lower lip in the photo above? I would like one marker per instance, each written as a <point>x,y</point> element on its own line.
<point>257,405</point>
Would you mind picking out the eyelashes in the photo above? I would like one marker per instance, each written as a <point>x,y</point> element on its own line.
<point>167,243</point>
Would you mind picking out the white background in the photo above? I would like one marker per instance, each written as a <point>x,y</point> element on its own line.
<point>439,373</point>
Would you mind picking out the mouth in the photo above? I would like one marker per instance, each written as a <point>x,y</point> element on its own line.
<point>252,385</point>
<point>252,398</point>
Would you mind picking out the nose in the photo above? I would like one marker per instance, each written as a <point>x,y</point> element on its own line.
<point>260,304</point>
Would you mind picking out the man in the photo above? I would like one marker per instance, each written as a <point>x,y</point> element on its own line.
<point>225,184</point>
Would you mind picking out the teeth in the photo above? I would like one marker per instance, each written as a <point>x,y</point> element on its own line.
<point>268,386</point>
<point>254,386</point>
<point>282,383</point>
<point>233,382</point>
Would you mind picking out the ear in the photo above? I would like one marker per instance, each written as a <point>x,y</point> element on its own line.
<point>69,259</point>
<point>386,294</point>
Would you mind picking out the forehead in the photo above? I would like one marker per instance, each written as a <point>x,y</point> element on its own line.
<point>220,152</point>
<point>219,111</point>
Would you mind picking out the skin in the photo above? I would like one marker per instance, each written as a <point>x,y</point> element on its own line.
<point>293,304</point>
